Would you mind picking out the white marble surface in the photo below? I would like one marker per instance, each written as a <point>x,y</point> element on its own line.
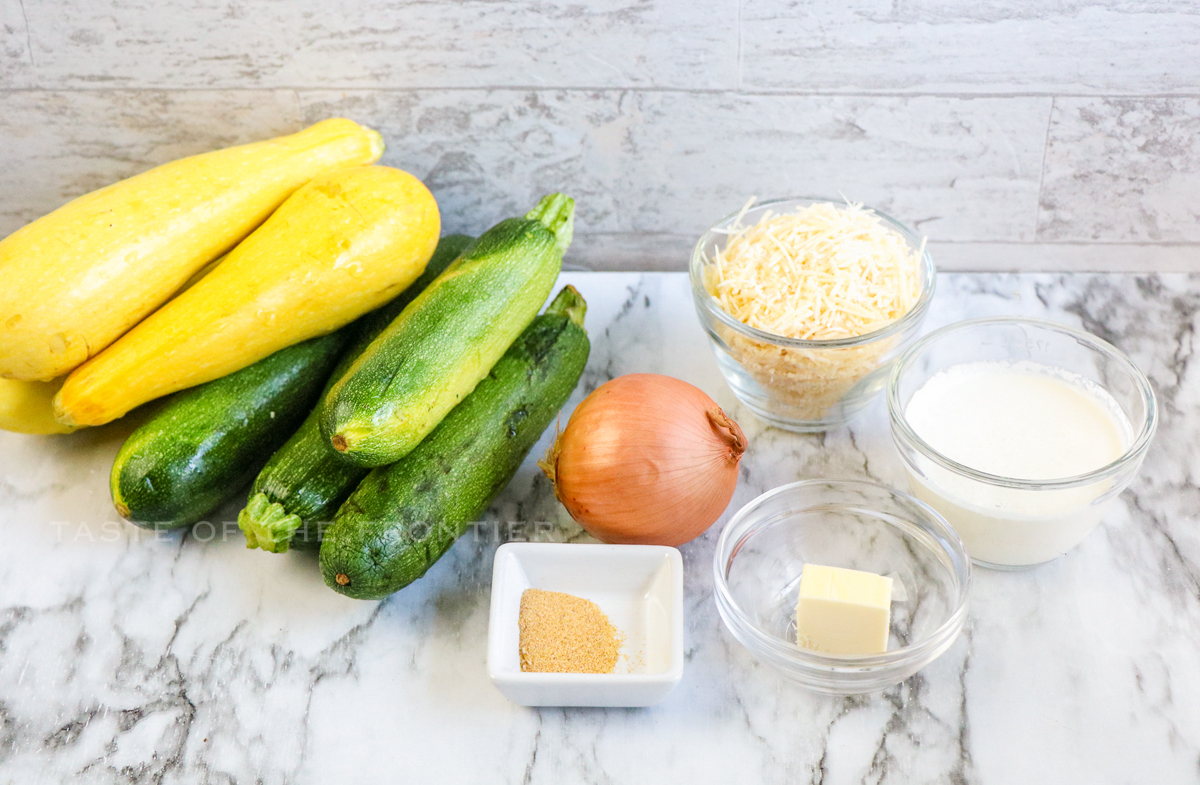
<point>126,658</point>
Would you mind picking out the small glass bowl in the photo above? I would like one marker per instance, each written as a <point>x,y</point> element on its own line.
<point>841,523</point>
<point>1010,523</point>
<point>785,380</point>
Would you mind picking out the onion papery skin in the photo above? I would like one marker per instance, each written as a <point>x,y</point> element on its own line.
<point>647,459</point>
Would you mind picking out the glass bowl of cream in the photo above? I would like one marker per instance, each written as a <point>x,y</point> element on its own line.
<point>766,550</point>
<point>1020,432</point>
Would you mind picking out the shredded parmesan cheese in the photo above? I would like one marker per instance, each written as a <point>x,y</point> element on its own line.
<point>823,272</point>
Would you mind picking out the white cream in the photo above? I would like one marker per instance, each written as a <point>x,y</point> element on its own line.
<point>1024,421</point>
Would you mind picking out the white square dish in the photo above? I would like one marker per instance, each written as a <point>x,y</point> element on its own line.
<point>639,588</point>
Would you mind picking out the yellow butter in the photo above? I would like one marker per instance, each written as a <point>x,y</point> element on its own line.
<point>842,611</point>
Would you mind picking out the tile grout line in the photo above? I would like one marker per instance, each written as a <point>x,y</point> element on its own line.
<point>1006,243</point>
<point>601,89</point>
<point>1037,212</point>
<point>28,36</point>
<point>738,76</point>
<point>953,270</point>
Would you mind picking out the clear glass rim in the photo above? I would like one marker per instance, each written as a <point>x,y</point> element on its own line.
<point>795,654</point>
<point>915,314</point>
<point>1137,447</point>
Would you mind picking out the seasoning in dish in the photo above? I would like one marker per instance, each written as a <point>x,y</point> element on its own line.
<point>562,633</point>
<point>824,272</point>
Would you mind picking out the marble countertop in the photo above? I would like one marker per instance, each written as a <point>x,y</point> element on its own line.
<point>131,657</point>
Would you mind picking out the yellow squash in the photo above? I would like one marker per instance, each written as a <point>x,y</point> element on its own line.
<point>25,407</point>
<point>76,279</point>
<point>342,245</point>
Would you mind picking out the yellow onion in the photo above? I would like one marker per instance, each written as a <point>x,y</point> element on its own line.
<point>646,459</point>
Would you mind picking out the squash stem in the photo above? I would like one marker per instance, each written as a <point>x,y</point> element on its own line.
<point>557,213</point>
<point>569,303</point>
<point>267,525</point>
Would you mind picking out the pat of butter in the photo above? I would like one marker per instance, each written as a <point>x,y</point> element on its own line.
<point>843,611</point>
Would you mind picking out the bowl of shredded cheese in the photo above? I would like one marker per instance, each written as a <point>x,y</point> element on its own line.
<point>808,303</point>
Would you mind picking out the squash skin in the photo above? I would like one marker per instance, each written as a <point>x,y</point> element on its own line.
<point>28,407</point>
<point>78,278</point>
<point>342,245</point>
<point>447,339</point>
<point>25,407</point>
<point>204,444</point>
<point>305,481</point>
<point>402,518</point>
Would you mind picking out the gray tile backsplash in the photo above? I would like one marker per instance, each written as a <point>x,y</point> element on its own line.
<point>1092,47</point>
<point>1015,135</point>
<point>1122,170</point>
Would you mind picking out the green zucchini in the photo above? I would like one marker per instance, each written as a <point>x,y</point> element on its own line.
<point>447,340</point>
<point>305,481</point>
<point>402,518</point>
<point>205,444</point>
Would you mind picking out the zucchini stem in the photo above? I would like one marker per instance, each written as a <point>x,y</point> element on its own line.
<point>569,303</point>
<point>557,213</point>
<point>267,525</point>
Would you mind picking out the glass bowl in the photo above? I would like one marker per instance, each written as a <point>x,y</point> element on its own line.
<point>841,523</point>
<point>788,381</point>
<point>1009,523</point>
